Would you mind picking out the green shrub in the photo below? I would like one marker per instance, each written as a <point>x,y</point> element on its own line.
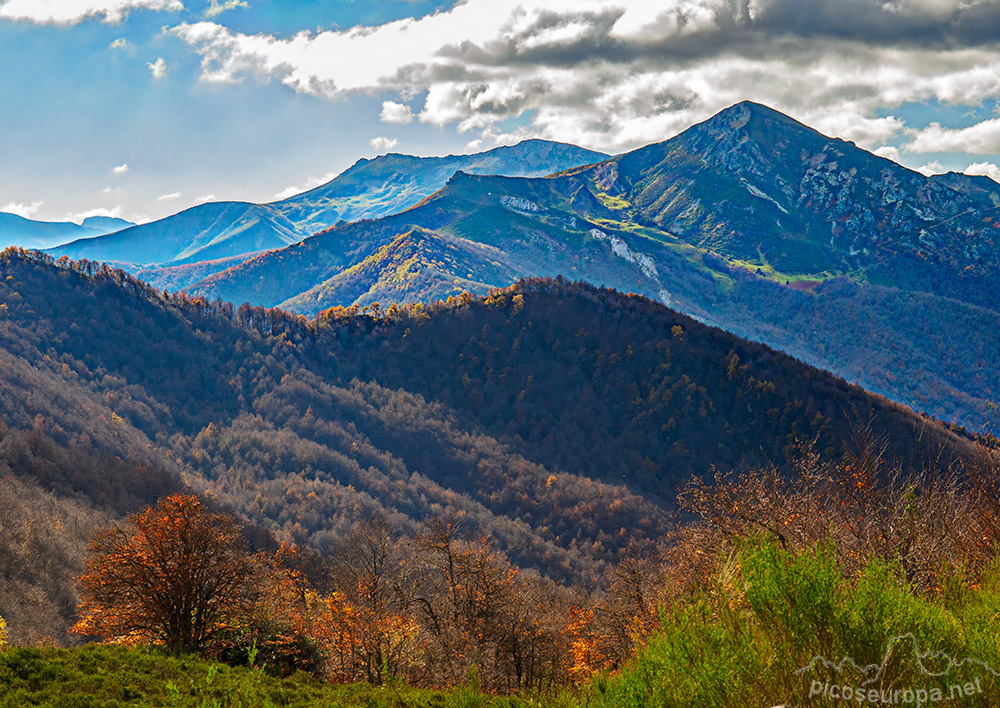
<point>786,626</point>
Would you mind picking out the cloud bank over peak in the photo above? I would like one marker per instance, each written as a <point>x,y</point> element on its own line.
<point>26,211</point>
<point>615,74</point>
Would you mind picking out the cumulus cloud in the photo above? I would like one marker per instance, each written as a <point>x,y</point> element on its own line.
<point>398,113</point>
<point>120,169</point>
<point>932,168</point>
<point>120,43</point>
<point>169,197</point>
<point>889,152</point>
<point>981,138</point>
<point>206,198</point>
<point>216,8</point>
<point>70,12</point>
<point>984,168</point>
<point>157,68</point>
<point>28,211</point>
<point>616,74</point>
<point>383,144</point>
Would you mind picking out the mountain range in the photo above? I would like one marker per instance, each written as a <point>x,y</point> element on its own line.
<point>750,221</point>
<point>17,230</point>
<point>221,231</point>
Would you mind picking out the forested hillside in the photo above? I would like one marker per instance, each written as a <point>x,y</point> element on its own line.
<point>553,418</point>
<point>617,387</point>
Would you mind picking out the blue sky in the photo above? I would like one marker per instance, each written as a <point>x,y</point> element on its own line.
<point>140,108</point>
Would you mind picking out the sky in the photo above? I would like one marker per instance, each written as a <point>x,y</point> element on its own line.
<point>142,108</point>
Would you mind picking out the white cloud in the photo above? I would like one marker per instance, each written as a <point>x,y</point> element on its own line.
<point>206,198</point>
<point>120,43</point>
<point>889,152</point>
<point>617,74</point>
<point>169,197</point>
<point>216,8</point>
<point>311,183</point>
<point>120,169</point>
<point>330,63</point>
<point>984,168</point>
<point>158,68</point>
<point>651,20</point>
<point>111,190</point>
<point>932,168</point>
<point>69,12</point>
<point>398,113</point>
<point>289,192</point>
<point>28,211</point>
<point>383,144</point>
<point>981,138</point>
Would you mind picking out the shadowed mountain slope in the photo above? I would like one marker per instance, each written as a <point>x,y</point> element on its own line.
<point>462,405</point>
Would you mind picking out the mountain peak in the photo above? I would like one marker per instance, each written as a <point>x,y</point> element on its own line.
<point>749,105</point>
<point>745,106</point>
<point>743,113</point>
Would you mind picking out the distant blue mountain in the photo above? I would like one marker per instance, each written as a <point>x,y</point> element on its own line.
<point>106,224</point>
<point>370,189</point>
<point>17,231</point>
<point>202,233</point>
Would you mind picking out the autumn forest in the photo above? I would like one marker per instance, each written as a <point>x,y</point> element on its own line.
<point>557,493</point>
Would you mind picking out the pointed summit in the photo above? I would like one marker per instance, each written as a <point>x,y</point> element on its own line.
<point>757,122</point>
<point>757,109</point>
<point>744,109</point>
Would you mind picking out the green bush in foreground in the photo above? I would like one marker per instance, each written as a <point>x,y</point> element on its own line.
<point>104,676</point>
<point>786,628</point>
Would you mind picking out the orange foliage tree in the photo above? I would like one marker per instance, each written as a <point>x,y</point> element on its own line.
<point>174,574</point>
